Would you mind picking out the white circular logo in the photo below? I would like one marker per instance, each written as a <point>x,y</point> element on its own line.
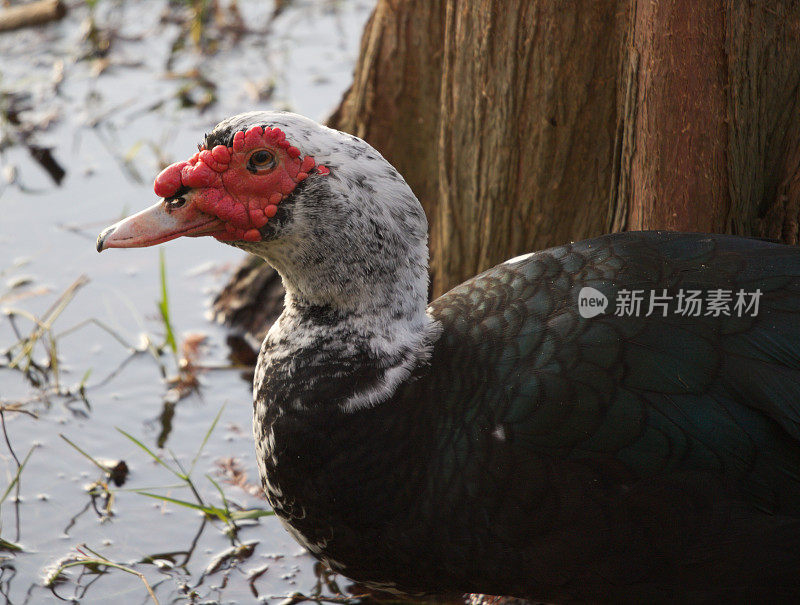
<point>591,302</point>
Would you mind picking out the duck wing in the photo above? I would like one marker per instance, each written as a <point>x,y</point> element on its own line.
<point>615,448</point>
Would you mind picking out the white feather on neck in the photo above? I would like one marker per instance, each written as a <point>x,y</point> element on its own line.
<point>357,245</point>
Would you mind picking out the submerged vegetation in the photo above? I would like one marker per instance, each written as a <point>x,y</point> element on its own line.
<point>127,456</point>
<point>35,356</point>
<point>228,514</point>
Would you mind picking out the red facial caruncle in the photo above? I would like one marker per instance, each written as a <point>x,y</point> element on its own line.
<point>243,184</point>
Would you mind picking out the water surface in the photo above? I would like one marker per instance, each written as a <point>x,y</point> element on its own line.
<point>110,134</point>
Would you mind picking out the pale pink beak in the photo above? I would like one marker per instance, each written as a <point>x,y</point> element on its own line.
<point>159,223</point>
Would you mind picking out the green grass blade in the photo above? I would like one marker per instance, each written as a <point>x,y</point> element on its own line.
<point>163,305</point>
<point>16,476</point>
<point>102,467</point>
<point>205,439</point>
<point>228,516</point>
<point>251,513</point>
<point>10,546</point>
<point>237,515</point>
<point>208,510</point>
<point>177,463</point>
<point>152,454</point>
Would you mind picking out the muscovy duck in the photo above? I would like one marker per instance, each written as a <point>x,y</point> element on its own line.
<point>532,432</point>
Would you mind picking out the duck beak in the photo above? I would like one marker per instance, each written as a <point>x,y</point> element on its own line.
<point>160,223</point>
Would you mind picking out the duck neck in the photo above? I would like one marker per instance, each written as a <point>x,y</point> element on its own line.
<point>357,344</point>
<point>353,256</point>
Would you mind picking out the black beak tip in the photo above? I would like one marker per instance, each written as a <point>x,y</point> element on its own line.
<point>101,239</point>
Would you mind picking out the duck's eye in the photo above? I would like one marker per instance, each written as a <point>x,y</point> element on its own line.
<point>261,160</point>
<point>174,203</point>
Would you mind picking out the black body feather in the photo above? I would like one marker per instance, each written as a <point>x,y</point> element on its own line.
<point>541,454</point>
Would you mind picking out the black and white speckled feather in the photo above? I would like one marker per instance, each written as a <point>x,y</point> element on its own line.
<point>351,248</point>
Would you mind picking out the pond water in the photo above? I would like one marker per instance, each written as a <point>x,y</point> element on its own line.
<point>108,96</point>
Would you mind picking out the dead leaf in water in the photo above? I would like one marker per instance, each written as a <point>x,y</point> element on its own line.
<point>232,473</point>
<point>25,294</point>
<point>231,556</point>
<point>187,380</point>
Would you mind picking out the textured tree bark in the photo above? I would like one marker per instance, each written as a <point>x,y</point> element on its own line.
<point>678,172</point>
<point>394,100</point>
<point>522,124</point>
<point>527,123</point>
<point>762,46</point>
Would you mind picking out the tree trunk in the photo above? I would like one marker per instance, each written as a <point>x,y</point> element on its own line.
<point>523,124</point>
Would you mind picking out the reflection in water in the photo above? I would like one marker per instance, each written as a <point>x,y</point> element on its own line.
<point>165,421</point>
<point>44,157</point>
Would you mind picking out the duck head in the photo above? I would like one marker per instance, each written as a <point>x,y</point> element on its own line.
<point>335,219</point>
